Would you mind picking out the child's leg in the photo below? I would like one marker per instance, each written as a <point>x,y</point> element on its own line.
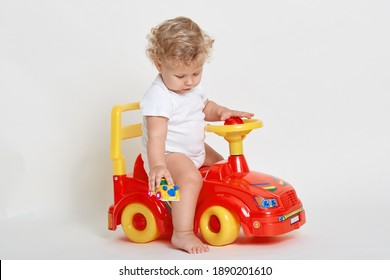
<point>189,180</point>
<point>211,156</point>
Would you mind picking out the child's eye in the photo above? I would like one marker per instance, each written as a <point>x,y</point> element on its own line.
<point>179,77</point>
<point>196,74</point>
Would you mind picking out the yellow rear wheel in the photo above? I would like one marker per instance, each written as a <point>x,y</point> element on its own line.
<point>138,223</point>
<point>219,226</point>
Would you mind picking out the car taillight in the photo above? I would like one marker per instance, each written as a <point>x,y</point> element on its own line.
<point>110,221</point>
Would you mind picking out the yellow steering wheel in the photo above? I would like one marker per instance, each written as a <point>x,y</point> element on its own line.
<point>235,133</point>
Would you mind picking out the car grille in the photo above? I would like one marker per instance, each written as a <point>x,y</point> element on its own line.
<point>289,199</point>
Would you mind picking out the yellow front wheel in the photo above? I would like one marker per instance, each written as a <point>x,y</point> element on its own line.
<point>219,226</point>
<point>139,224</point>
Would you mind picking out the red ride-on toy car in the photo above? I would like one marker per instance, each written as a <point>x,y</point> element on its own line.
<point>232,195</point>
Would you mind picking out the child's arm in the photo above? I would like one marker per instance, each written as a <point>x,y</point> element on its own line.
<point>157,133</point>
<point>215,112</point>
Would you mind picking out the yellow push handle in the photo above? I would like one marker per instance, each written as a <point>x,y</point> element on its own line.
<point>119,133</point>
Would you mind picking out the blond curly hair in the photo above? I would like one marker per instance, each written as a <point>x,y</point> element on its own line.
<point>179,40</point>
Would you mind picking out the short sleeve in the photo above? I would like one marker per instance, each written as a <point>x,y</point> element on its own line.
<point>156,103</point>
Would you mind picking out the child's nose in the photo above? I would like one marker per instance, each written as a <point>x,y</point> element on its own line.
<point>188,82</point>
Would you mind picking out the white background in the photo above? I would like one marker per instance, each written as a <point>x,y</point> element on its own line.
<point>316,72</point>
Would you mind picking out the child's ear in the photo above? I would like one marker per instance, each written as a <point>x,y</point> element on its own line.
<point>158,63</point>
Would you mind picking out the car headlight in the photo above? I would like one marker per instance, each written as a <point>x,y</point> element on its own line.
<point>266,202</point>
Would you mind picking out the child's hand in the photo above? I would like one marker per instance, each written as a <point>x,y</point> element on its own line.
<point>155,176</point>
<point>232,113</point>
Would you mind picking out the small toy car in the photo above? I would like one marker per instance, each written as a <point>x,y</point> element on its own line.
<point>166,192</point>
<point>232,195</point>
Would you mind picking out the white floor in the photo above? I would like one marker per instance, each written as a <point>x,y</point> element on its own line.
<point>326,235</point>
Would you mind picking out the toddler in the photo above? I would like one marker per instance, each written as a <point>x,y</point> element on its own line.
<point>174,111</point>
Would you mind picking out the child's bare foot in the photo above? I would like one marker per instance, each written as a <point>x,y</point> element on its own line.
<point>187,241</point>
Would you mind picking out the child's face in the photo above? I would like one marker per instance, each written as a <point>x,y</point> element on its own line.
<point>178,77</point>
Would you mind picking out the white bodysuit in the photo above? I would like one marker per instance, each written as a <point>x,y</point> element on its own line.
<point>185,120</point>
